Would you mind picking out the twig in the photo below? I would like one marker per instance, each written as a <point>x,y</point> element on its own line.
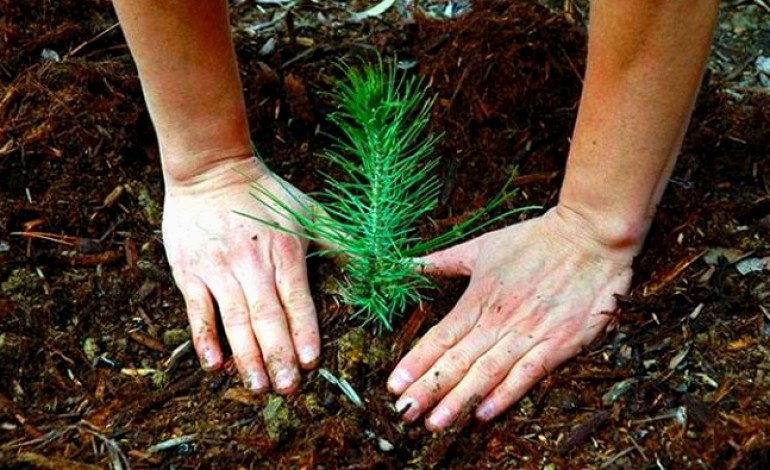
<point>615,457</point>
<point>161,397</point>
<point>738,69</point>
<point>118,458</point>
<point>669,277</point>
<point>638,447</point>
<point>581,433</point>
<point>90,41</point>
<point>171,443</point>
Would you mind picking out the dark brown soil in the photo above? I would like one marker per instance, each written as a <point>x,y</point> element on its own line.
<point>88,324</point>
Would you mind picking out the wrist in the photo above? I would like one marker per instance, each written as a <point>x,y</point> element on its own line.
<point>622,233</point>
<point>215,171</point>
<point>192,145</point>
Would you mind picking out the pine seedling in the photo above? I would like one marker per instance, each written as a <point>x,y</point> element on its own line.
<point>368,218</point>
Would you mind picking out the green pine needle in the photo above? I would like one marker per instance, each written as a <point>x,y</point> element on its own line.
<point>368,218</point>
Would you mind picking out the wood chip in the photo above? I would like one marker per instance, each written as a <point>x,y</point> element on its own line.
<point>147,341</point>
<point>739,344</point>
<point>240,395</point>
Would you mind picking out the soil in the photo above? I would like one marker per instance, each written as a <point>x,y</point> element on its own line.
<point>96,370</point>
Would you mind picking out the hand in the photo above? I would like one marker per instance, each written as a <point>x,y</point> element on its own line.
<point>256,276</point>
<point>539,291</point>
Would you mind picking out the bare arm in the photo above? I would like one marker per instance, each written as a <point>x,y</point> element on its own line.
<point>645,62</point>
<point>186,62</point>
<point>542,296</point>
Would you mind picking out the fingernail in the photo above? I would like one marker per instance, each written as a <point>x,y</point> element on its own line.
<point>439,419</point>
<point>485,411</point>
<point>209,359</point>
<point>256,382</point>
<point>399,380</point>
<point>307,355</point>
<point>407,408</point>
<point>284,379</point>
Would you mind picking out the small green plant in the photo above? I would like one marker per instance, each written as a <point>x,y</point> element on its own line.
<point>368,219</point>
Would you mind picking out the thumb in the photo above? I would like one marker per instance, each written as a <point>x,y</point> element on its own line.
<point>457,260</point>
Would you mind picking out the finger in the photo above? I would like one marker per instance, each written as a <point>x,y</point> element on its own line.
<point>532,367</point>
<point>268,323</point>
<point>235,318</point>
<point>203,322</point>
<point>484,375</point>
<point>435,343</point>
<point>294,294</point>
<point>445,374</point>
<point>455,261</point>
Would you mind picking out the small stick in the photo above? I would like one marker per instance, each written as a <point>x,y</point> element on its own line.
<point>147,341</point>
<point>90,41</point>
<point>584,431</point>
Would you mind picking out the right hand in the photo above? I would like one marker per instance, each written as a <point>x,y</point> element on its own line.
<point>254,276</point>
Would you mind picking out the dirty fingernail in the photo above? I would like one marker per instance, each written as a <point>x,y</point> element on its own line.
<point>407,408</point>
<point>439,419</point>
<point>256,382</point>
<point>399,380</point>
<point>284,379</point>
<point>307,355</point>
<point>485,411</point>
<point>208,359</point>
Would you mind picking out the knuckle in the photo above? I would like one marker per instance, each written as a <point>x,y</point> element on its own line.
<point>489,366</point>
<point>298,297</point>
<point>196,306</point>
<point>445,337</point>
<point>235,318</point>
<point>458,359</point>
<point>287,245</point>
<point>533,370</point>
<point>266,312</point>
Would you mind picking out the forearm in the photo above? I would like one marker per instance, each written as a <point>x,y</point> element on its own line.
<point>645,63</point>
<point>183,51</point>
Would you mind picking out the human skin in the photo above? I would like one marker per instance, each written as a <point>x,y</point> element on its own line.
<point>255,277</point>
<point>529,308</point>
<point>546,292</point>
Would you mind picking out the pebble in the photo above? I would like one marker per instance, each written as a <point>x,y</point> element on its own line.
<point>385,445</point>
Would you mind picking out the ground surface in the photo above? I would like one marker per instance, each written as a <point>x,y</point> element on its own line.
<point>95,369</point>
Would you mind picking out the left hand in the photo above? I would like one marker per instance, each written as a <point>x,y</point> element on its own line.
<point>539,291</point>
